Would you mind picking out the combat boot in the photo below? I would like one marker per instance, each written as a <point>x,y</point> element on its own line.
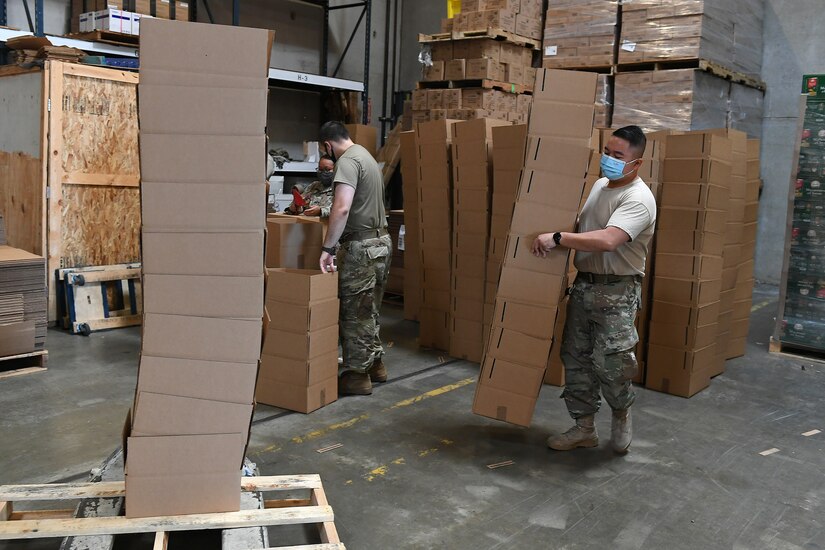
<point>378,372</point>
<point>583,434</point>
<point>621,431</point>
<point>354,383</point>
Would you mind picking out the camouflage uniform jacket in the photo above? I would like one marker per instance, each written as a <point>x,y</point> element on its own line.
<point>317,195</point>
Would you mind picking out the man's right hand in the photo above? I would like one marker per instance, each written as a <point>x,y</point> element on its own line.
<point>327,262</point>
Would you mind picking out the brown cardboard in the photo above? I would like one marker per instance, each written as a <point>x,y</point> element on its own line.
<point>696,171</point>
<point>698,145</point>
<point>434,331</point>
<point>519,254</point>
<point>465,265</point>
<point>183,474</point>
<point>525,318</point>
<point>686,291</point>
<point>365,136</point>
<point>305,373</point>
<point>468,309</point>
<point>484,68</point>
<point>511,377</point>
<point>455,69</point>
<point>163,414</point>
<point>301,319</point>
<point>300,286</point>
<point>688,266</point>
<point>468,243</point>
<point>567,159</point>
<point>434,72</point>
<point>713,221</point>
<point>683,337</point>
<point>209,339</point>
<point>526,214</point>
<point>435,258</point>
<point>549,188</point>
<point>564,120</point>
<point>468,221</point>
<point>217,381</point>
<point>678,372</point>
<point>502,405</point>
<point>182,161</point>
<point>470,288</point>
<point>474,174</point>
<point>291,243</point>
<point>679,241</point>
<point>434,240</point>
<point>437,279</point>
<point>695,195</point>
<point>310,346</point>
<point>297,397</point>
<point>227,297</point>
<point>530,287</point>
<point>685,315</point>
<point>470,350</point>
<point>229,254</point>
<point>16,338</point>
<point>519,348</point>
<point>436,299</point>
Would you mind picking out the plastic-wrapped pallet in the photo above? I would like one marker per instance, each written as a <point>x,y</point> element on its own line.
<point>604,101</point>
<point>580,33</point>
<point>679,99</point>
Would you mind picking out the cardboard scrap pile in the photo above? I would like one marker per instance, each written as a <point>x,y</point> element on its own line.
<point>203,100</point>
<point>22,300</point>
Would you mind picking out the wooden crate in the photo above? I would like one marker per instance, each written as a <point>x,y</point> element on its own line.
<point>69,165</point>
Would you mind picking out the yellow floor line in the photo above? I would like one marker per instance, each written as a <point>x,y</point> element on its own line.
<point>759,306</point>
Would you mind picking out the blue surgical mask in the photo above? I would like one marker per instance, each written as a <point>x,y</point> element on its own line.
<point>613,168</point>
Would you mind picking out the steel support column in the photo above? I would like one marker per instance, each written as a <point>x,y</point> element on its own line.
<point>236,12</point>
<point>38,17</point>
<point>366,97</point>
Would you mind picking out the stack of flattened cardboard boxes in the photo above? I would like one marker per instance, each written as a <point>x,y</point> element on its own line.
<point>412,237</point>
<point>731,255</point>
<point>23,299</point>
<point>456,63</point>
<point>472,193</point>
<point>509,144</point>
<point>435,196</point>
<point>530,288</point>
<point>682,352</point>
<point>580,34</point>
<point>299,361</point>
<point>744,279</point>
<point>519,17</point>
<point>203,99</point>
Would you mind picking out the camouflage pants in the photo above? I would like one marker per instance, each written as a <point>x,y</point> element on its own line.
<point>597,346</point>
<point>363,267</point>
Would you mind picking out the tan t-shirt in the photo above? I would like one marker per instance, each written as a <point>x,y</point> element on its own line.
<point>358,169</point>
<point>631,208</point>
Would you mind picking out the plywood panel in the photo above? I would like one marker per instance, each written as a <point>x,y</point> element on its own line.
<point>20,112</point>
<point>100,127</point>
<point>22,201</point>
<point>100,225</point>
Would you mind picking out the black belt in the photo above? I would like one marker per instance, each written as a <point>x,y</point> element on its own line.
<point>597,279</point>
<point>363,235</point>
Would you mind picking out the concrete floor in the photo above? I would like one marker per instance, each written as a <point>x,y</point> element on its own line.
<point>412,470</point>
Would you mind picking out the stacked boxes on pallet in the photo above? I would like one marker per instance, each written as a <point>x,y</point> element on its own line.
<point>530,288</point>
<point>412,236</point>
<point>580,33</point>
<point>299,360</point>
<point>123,16</point>
<point>744,279</point>
<point>435,188</point>
<point>472,194</point>
<point>463,65</point>
<point>203,199</point>
<point>803,320</point>
<point>682,351</point>
<point>519,17</point>
<point>509,143</point>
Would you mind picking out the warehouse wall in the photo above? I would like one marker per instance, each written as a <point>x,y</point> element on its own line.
<point>418,16</point>
<point>793,46</point>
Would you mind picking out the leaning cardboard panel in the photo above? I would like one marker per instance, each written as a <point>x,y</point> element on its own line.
<point>203,100</point>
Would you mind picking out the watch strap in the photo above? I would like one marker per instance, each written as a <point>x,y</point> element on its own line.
<point>329,250</point>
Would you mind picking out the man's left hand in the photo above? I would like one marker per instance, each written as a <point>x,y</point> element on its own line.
<point>312,211</point>
<point>543,244</point>
<point>326,262</point>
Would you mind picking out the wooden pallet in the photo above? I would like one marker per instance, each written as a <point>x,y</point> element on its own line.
<point>494,34</point>
<point>59,523</point>
<point>796,350</point>
<point>24,363</point>
<point>108,37</point>
<point>478,83</point>
<point>692,63</point>
<point>601,69</point>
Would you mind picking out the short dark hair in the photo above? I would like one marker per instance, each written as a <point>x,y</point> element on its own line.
<point>326,157</point>
<point>634,136</point>
<point>333,131</point>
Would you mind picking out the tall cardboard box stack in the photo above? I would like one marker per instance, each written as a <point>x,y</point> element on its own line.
<point>435,197</point>
<point>580,33</point>
<point>203,99</point>
<point>682,351</point>
<point>530,288</point>
<point>472,195</point>
<point>744,278</point>
<point>522,18</point>
<point>731,254</point>
<point>299,360</point>
<point>509,144</point>
<point>412,236</point>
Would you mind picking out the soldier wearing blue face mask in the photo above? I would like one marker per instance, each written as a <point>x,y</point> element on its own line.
<point>611,242</point>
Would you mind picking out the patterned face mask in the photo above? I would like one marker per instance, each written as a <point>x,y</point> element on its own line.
<point>325,177</point>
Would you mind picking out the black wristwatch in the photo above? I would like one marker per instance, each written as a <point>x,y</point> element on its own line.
<point>329,250</point>
<point>557,238</point>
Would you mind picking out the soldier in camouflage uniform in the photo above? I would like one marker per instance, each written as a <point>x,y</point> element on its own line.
<point>611,243</point>
<point>358,227</point>
<point>318,194</point>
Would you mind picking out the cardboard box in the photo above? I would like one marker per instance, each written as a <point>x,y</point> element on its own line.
<point>17,338</point>
<point>484,68</point>
<point>686,291</point>
<point>164,414</point>
<point>209,339</point>
<point>434,331</point>
<point>310,346</point>
<point>678,241</point>
<point>200,379</point>
<point>503,405</point>
<point>698,145</point>
<point>527,319</point>
<point>365,136</point>
<point>477,49</point>
<point>679,372</point>
<point>298,397</point>
<point>301,286</point>
<point>420,101</point>
<point>455,69</point>
<point>228,254</point>
<point>684,315</point>
<point>683,218</point>
<point>183,474</point>
<point>683,337</point>
<point>519,348</point>
<point>228,297</point>
<point>688,266</point>
<point>304,318</point>
<point>434,72</point>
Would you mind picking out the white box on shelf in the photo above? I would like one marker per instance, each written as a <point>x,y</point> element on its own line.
<point>311,151</point>
<point>276,185</point>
